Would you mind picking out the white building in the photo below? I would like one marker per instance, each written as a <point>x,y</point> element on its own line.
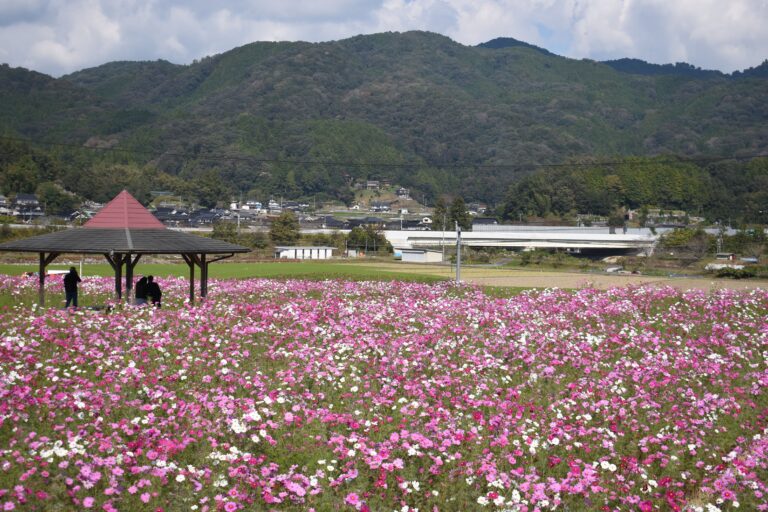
<point>421,256</point>
<point>304,253</point>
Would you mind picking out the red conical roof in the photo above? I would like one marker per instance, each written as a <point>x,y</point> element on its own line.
<point>124,211</point>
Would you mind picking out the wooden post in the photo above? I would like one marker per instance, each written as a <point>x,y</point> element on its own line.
<point>116,262</point>
<point>128,278</point>
<point>119,277</point>
<point>44,262</point>
<point>203,277</point>
<point>190,259</point>
<point>130,263</point>
<point>41,281</point>
<point>191,281</point>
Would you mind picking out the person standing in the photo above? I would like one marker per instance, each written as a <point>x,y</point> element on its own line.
<point>153,290</point>
<point>70,287</point>
<point>141,291</point>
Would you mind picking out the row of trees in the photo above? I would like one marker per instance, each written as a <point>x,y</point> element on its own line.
<point>725,189</point>
<point>285,230</point>
<point>445,217</point>
<point>731,189</point>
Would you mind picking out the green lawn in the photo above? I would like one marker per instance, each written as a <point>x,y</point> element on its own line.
<point>226,270</point>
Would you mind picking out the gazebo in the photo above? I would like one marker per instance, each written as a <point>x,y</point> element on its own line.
<point>123,231</point>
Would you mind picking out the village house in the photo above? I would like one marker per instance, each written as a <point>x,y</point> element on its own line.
<point>4,206</point>
<point>378,206</point>
<point>27,207</point>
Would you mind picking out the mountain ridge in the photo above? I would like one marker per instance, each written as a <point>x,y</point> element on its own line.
<point>454,118</point>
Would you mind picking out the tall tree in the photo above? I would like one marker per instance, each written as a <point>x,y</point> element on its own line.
<point>460,214</point>
<point>285,229</point>
<point>440,215</point>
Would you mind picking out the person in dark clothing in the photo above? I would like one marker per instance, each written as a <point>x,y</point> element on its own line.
<point>141,290</point>
<point>154,292</point>
<point>70,287</point>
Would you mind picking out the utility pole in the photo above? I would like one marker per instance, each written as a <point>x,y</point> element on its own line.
<point>458,253</point>
<point>442,243</point>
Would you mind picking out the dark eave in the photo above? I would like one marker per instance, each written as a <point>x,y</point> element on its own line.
<point>121,240</point>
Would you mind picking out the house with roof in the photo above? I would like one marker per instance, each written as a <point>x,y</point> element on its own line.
<point>26,200</point>
<point>5,208</point>
<point>375,222</point>
<point>171,216</point>
<point>380,206</point>
<point>27,207</point>
<point>330,222</point>
<point>203,217</point>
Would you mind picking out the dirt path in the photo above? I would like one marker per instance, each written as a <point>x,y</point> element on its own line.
<point>552,279</point>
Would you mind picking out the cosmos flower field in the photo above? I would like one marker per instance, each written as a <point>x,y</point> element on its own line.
<point>335,395</point>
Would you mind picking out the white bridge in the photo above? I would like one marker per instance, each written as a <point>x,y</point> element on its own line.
<point>524,239</point>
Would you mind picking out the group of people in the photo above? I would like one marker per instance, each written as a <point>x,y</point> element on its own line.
<point>147,289</point>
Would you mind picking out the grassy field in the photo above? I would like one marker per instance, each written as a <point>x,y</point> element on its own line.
<point>497,281</point>
<point>273,270</point>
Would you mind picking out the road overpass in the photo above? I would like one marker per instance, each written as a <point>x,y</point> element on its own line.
<point>573,240</point>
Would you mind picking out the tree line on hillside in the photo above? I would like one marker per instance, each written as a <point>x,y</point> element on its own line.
<point>734,190</point>
<point>728,189</point>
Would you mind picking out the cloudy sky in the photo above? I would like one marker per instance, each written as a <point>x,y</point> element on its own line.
<point>60,36</point>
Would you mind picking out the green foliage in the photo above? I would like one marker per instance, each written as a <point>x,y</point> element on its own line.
<point>445,218</point>
<point>459,214</point>
<point>679,237</point>
<point>633,183</point>
<point>736,273</point>
<point>616,219</point>
<point>55,200</point>
<point>337,240</point>
<point>749,242</point>
<point>368,239</point>
<point>440,219</point>
<point>227,231</point>
<point>687,244</point>
<point>285,229</point>
<point>210,188</point>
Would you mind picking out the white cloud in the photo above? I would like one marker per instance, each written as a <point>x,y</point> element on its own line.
<point>707,33</point>
<point>59,36</point>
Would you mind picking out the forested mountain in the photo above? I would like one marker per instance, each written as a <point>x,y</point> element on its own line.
<point>300,119</point>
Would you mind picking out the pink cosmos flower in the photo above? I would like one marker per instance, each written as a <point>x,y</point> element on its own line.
<point>352,499</point>
<point>88,502</point>
<point>145,497</point>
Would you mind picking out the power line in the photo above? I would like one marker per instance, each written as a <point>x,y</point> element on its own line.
<point>330,163</point>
